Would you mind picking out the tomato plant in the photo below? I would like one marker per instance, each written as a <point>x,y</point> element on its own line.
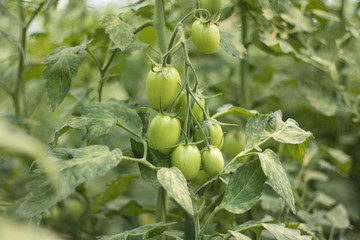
<point>162,85</point>
<point>124,159</point>
<point>164,133</point>
<point>205,36</point>
<point>187,158</point>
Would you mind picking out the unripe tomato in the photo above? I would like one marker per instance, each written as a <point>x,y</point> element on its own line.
<point>205,36</point>
<point>164,132</point>
<point>215,138</point>
<point>182,106</point>
<point>234,142</point>
<point>212,160</point>
<point>164,83</point>
<point>187,159</point>
<point>212,5</point>
<point>202,177</point>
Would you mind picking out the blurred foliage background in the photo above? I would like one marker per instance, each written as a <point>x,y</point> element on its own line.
<point>302,57</point>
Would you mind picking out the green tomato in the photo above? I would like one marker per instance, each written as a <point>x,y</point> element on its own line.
<point>205,36</point>
<point>212,5</point>
<point>164,83</point>
<point>212,160</point>
<point>164,132</point>
<point>202,177</point>
<point>215,137</point>
<point>234,142</point>
<point>187,158</point>
<point>182,106</point>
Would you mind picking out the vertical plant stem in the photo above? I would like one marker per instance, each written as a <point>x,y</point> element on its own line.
<point>20,73</point>
<point>243,63</point>
<point>159,28</point>
<point>159,25</point>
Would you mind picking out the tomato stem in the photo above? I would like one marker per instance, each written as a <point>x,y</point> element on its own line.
<point>243,62</point>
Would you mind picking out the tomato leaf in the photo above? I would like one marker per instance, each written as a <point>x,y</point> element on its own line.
<point>280,232</point>
<point>233,48</point>
<point>121,33</point>
<point>62,65</point>
<point>75,166</point>
<point>115,188</point>
<point>146,231</point>
<point>260,128</point>
<point>276,175</point>
<point>239,236</point>
<point>339,217</point>
<point>99,118</point>
<point>175,184</point>
<point>244,188</point>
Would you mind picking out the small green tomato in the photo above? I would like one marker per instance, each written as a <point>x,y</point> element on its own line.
<point>187,159</point>
<point>215,137</point>
<point>205,36</point>
<point>212,160</point>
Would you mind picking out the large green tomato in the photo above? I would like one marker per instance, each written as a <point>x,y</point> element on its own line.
<point>164,83</point>
<point>234,142</point>
<point>215,138</point>
<point>205,36</point>
<point>212,160</point>
<point>187,158</point>
<point>202,177</point>
<point>212,5</point>
<point>182,106</point>
<point>164,132</point>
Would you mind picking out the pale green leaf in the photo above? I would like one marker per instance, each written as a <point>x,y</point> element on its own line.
<point>244,188</point>
<point>295,17</point>
<point>234,48</point>
<point>230,109</point>
<point>120,236</point>
<point>249,225</point>
<point>75,166</point>
<point>99,118</point>
<point>49,4</point>
<point>175,184</point>
<point>341,159</point>
<point>239,236</point>
<point>121,33</point>
<point>315,219</point>
<point>115,188</point>
<point>339,217</point>
<point>62,65</point>
<point>276,175</point>
<point>280,232</point>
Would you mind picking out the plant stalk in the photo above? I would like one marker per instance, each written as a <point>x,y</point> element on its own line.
<point>243,63</point>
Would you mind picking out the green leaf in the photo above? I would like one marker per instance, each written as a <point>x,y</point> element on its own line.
<point>239,236</point>
<point>49,4</point>
<point>228,109</point>
<point>120,236</point>
<point>12,40</point>
<point>295,17</point>
<point>233,48</point>
<point>282,233</point>
<point>121,33</point>
<point>244,188</point>
<point>298,151</point>
<point>249,225</point>
<point>315,219</point>
<point>75,167</point>
<point>150,230</point>
<point>341,159</point>
<point>99,118</point>
<point>156,158</point>
<point>226,12</point>
<point>136,46</point>
<point>62,65</point>
<point>116,187</point>
<point>8,14</point>
<point>260,128</point>
<point>339,217</point>
<point>276,175</point>
<point>175,184</point>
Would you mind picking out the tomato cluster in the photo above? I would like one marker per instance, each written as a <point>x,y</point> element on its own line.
<point>165,93</point>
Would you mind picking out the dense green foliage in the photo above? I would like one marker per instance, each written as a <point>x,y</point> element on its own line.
<point>91,112</point>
